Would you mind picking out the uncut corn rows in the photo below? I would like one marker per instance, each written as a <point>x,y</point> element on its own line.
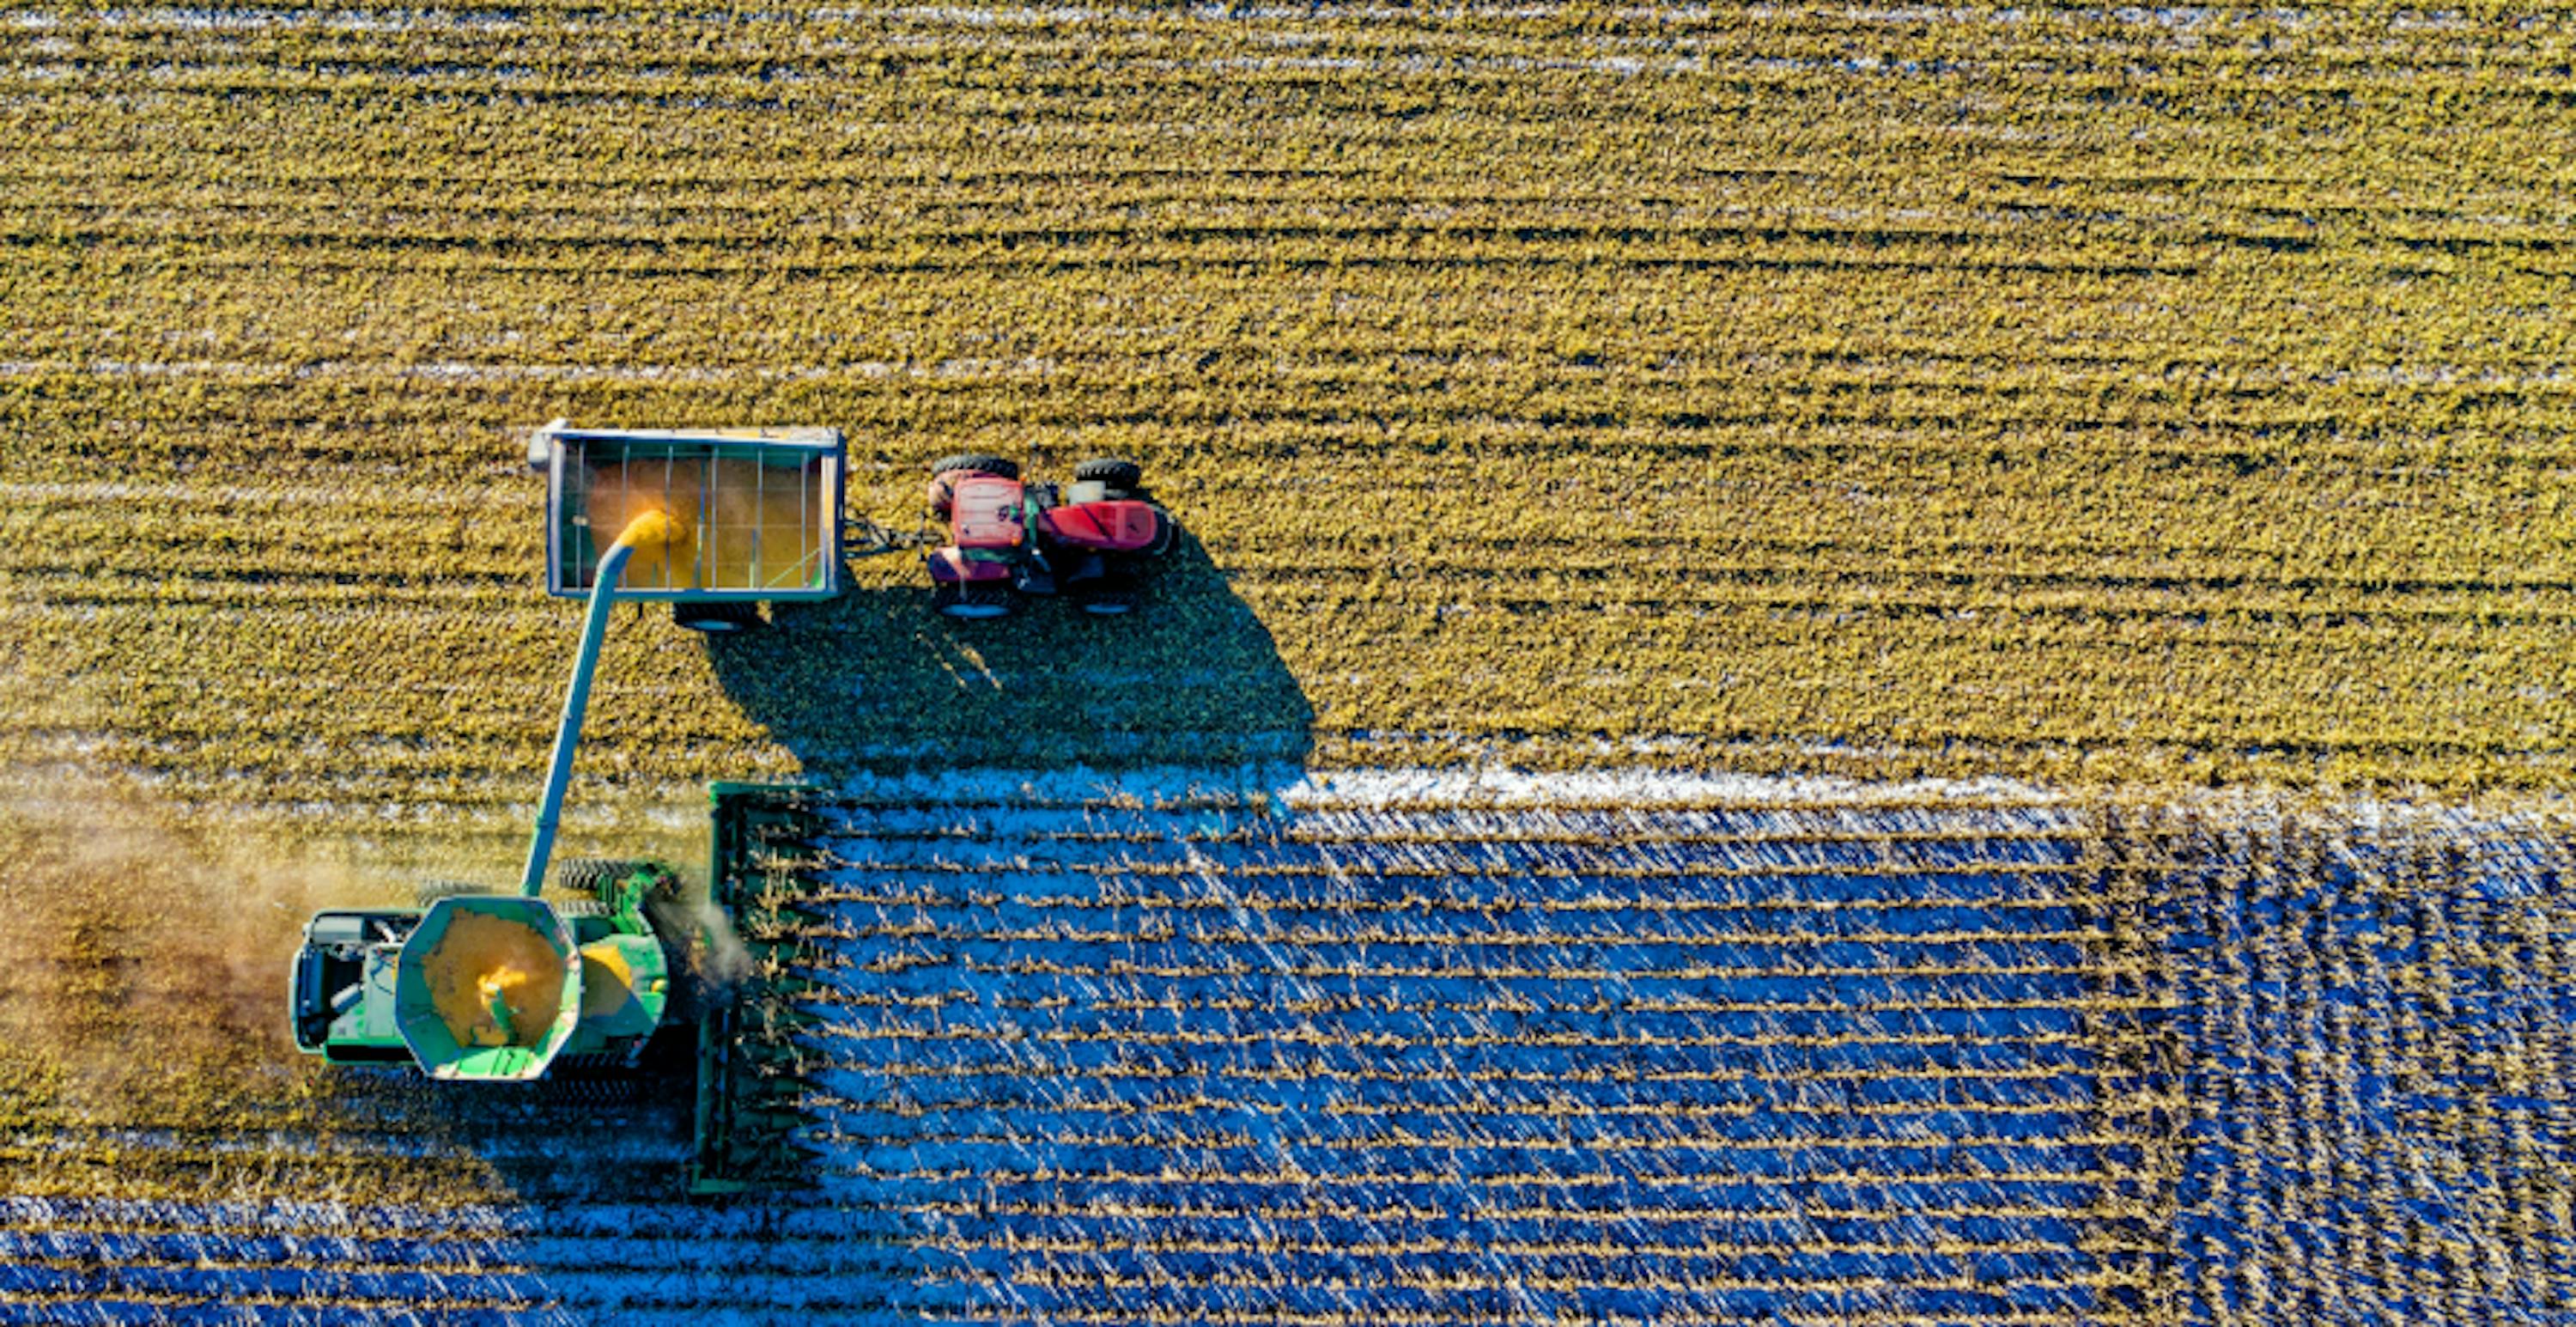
<point>1174,1051</point>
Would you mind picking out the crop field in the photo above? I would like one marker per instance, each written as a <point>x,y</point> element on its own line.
<point>1835,663</point>
<point>2080,394</point>
<point>1198,1046</point>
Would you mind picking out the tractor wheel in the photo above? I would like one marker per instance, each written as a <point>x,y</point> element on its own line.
<point>439,889</point>
<point>977,463</point>
<point>1126,475</point>
<point>586,876</point>
<point>971,600</point>
<point>720,619</point>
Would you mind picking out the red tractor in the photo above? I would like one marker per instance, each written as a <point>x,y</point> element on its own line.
<point>1089,542</point>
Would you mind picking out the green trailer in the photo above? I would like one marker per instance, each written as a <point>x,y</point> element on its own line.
<point>488,985</point>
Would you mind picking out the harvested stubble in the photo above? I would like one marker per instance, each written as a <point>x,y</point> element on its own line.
<point>2076,394</point>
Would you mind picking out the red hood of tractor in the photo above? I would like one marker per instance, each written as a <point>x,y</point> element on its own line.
<point>1109,527</point>
<point>984,512</point>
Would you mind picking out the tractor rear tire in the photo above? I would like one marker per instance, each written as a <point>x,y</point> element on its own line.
<point>1117,474</point>
<point>976,463</point>
<point>719,619</point>
<point>438,889</point>
<point>971,600</point>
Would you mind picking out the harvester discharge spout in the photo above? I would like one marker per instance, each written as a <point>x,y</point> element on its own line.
<point>651,532</point>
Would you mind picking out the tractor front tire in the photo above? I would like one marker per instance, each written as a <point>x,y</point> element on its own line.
<point>971,600</point>
<point>976,463</point>
<point>1121,477</point>
<point>719,619</point>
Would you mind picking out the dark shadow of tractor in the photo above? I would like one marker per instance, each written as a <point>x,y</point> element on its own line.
<point>880,679</point>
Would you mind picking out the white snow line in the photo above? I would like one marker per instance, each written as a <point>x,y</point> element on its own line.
<point>1297,789</point>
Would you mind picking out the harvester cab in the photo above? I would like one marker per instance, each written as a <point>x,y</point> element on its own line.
<point>1089,541</point>
<point>472,985</point>
<point>498,985</point>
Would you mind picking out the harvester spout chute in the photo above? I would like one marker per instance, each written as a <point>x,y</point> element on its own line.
<point>649,532</point>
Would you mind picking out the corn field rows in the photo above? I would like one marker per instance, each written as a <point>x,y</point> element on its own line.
<point>1212,1046</point>
<point>2138,397</point>
<point>2068,393</point>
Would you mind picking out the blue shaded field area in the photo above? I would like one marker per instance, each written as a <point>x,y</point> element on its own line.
<point>1716,1064</point>
<point>1400,1048</point>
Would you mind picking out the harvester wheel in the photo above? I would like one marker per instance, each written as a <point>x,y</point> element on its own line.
<point>971,600</point>
<point>1118,475</point>
<point>976,463</point>
<point>569,908</point>
<point>719,619</point>
<point>439,889</point>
